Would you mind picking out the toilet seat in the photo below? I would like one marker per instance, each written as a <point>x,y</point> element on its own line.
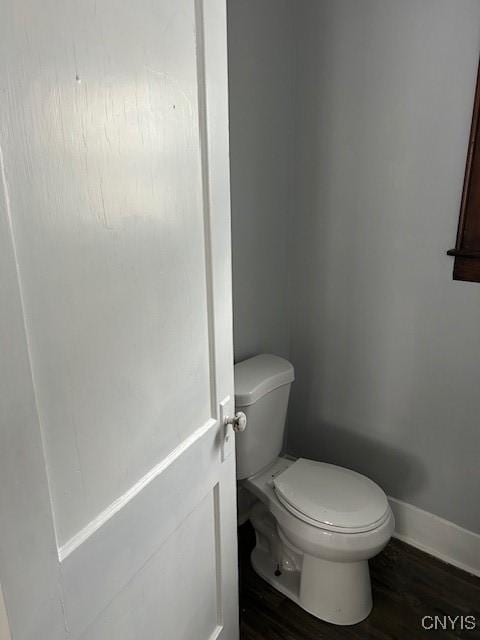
<point>331,497</point>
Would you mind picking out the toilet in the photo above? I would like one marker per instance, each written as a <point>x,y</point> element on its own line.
<point>316,524</point>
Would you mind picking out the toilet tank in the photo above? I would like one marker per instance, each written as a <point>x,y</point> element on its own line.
<point>262,387</point>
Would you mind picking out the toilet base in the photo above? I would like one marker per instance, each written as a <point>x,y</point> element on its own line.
<point>288,582</point>
<point>336,592</point>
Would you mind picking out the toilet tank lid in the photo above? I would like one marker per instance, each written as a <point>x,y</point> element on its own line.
<point>259,375</point>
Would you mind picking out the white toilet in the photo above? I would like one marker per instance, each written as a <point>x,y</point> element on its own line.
<point>316,524</point>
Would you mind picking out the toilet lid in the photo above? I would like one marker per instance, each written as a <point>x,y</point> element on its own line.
<point>331,497</point>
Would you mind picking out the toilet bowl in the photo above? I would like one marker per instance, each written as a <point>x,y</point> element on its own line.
<point>316,524</point>
<point>322,568</point>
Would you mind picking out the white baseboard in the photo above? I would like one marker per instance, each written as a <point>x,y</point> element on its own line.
<point>436,536</point>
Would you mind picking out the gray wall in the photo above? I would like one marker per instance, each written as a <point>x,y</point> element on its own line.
<point>261,122</point>
<point>385,345</point>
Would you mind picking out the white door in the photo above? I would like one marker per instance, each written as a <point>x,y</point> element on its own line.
<point>117,486</point>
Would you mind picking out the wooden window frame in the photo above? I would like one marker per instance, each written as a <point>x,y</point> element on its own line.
<point>467,246</point>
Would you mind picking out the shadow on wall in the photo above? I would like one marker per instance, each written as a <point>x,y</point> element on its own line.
<point>386,465</point>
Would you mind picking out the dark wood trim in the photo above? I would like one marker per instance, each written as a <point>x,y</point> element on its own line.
<point>466,269</point>
<point>472,143</point>
<point>463,253</point>
<point>467,255</point>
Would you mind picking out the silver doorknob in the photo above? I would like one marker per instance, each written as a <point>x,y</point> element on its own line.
<point>238,422</point>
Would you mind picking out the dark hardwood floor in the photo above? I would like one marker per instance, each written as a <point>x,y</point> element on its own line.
<point>407,585</point>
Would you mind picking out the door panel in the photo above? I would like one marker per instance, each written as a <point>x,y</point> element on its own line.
<point>181,587</point>
<point>117,312</point>
<point>137,531</point>
<point>114,134</point>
